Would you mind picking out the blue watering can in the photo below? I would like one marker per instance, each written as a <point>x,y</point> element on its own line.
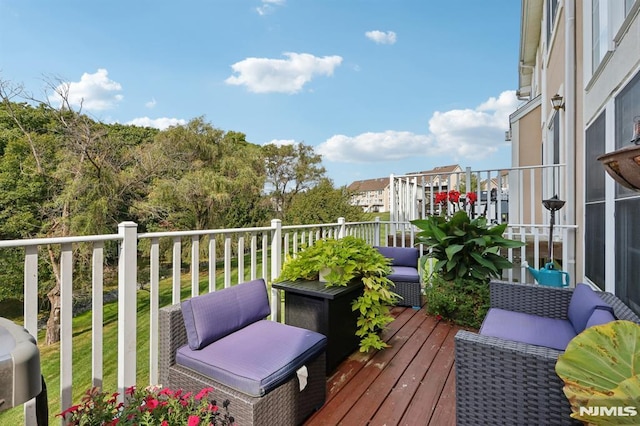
<point>549,275</point>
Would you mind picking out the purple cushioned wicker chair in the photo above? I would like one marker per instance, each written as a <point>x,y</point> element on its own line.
<point>404,274</point>
<point>505,374</point>
<point>222,340</point>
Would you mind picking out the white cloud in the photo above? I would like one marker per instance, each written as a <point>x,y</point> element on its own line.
<point>373,147</point>
<point>381,37</point>
<point>151,104</point>
<point>159,123</point>
<point>268,6</point>
<point>94,92</point>
<point>474,133</point>
<point>459,133</point>
<point>264,75</point>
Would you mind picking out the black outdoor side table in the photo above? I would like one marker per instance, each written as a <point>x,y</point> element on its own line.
<point>310,305</point>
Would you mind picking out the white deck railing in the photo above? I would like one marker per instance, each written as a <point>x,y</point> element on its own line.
<point>265,248</point>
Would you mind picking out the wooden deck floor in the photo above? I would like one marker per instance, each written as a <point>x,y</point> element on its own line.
<point>410,383</point>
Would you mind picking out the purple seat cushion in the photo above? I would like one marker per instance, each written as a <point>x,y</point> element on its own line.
<point>600,316</point>
<point>404,274</point>
<point>212,316</point>
<point>583,302</point>
<point>401,256</point>
<point>257,358</point>
<point>526,328</point>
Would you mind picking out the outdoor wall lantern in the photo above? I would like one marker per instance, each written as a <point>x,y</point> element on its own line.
<point>623,164</point>
<point>557,102</point>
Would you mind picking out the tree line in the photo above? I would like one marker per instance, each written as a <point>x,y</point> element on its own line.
<point>63,173</point>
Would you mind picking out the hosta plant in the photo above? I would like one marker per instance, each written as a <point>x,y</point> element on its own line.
<point>601,373</point>
<point>464,247</point>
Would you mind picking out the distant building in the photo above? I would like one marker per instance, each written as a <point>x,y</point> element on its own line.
<point>441,178</point>
<point>371,194</point>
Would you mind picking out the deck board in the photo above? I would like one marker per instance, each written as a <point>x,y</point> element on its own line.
<point>411,382</point>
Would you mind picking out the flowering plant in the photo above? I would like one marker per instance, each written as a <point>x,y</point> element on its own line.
<point>457,201</point>
<point>150,406</point>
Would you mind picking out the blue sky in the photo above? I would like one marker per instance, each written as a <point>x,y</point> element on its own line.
<point>376,86</point>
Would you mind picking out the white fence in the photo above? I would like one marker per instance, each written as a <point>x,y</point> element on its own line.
<point>232,256</point>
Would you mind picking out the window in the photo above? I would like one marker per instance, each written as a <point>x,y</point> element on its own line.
<point>594,244</point>
<point>599,31</point>
<point>552,8</point>
<point>627,204</point>
<point>627,6</point>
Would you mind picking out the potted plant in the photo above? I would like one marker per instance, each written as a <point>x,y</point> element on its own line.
<point>601,373</point>
<point>349,261</point>
<point>467,255</point>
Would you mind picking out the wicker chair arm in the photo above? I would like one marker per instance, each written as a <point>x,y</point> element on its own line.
<point>172,336</point>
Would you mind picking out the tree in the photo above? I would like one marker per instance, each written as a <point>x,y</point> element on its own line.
<point>290,169</point>
<point>71,177</point>
<point>322,204</point>
<point>201,170</point>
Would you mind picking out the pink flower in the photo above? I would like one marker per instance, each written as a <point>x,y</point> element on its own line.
<point>193,421</point>
<point>152,403</point>
<point>204,392</point>
<point>164,423</point>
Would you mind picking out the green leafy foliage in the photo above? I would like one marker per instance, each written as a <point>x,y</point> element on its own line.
<point>350,258</point>
<point>601,368</point>
<point>322,204</point>
<point>464,301</point>
<point>464,247</point>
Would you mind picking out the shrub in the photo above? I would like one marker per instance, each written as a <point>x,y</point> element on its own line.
<point>464,301</point>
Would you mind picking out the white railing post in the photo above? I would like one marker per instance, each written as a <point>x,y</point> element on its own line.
<point>31,314</point>
<point>127,306</point>
<point>195,265</point>
<point>154,301</point>
<point>176,270</point>
<point>66,324</point>
<point>376,232</point>
<point>342,229</point>
<point>97,298</point>
<point>393,213</point>
<point>276,264</point>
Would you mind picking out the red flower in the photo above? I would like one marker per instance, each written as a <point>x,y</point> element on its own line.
<point>472,197</point>
<point>164,423</point>
<point>438,317</point>
<point>441,197</point>
<point>130,391</point>
<point>193,421</point>
<point>454,196</point>
<point>69,410</point>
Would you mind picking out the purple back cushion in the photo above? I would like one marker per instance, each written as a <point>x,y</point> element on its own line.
<point>584,302</point>
<point>599,316</point>
<point>212,316</point>
<point>401,256</point>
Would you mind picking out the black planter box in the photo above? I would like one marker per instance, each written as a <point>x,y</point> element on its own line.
<point>310,305</point>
